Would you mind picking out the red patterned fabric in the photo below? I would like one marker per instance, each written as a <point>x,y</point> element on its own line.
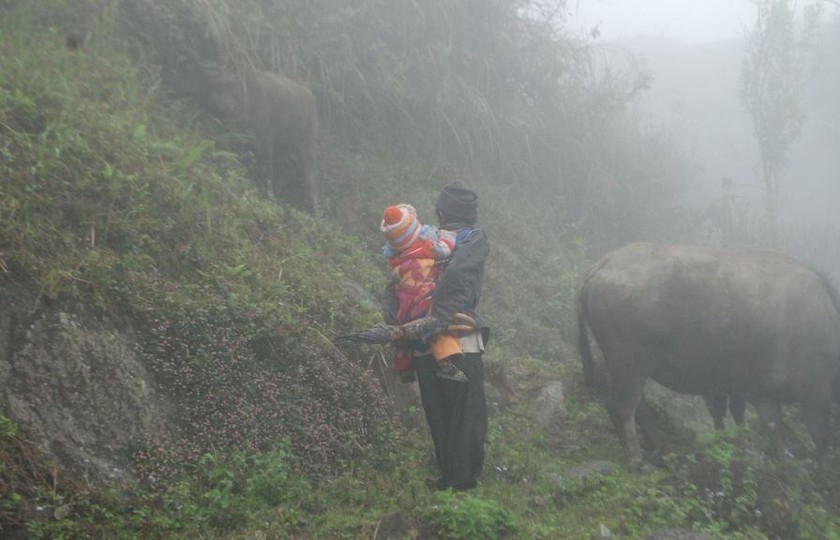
<point>414,271</point>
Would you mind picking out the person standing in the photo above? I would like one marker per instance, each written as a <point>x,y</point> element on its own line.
<point>455,411</point>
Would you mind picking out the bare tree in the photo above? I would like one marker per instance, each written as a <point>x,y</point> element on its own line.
<point>774,71</point>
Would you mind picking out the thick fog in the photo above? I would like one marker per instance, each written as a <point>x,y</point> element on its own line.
<point>694,52</point>
<point>690,21</point>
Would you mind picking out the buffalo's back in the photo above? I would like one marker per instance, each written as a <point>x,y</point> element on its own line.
<point>702,319</point>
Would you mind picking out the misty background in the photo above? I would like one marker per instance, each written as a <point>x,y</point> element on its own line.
<point>693,54</point>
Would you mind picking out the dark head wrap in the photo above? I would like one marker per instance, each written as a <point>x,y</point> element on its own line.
<point>458,203</point>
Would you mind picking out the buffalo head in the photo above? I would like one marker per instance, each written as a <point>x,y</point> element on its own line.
<point>278,113</point>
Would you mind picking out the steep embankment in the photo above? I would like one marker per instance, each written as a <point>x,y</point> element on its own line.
<point>155,308</point>
<point>121,217</point>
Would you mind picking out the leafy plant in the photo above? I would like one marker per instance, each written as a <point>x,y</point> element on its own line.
<point>466,517</point>
<point>8,428</point>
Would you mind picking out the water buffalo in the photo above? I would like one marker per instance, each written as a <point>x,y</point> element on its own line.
<point>278,112</point>
<point>711,321</point>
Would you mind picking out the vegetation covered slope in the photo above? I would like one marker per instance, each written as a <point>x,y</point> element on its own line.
<point>121,203</point>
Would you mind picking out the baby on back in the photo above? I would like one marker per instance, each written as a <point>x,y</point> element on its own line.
<point>416,254</point>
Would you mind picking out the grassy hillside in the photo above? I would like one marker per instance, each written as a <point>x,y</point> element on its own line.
<point>122,201</point>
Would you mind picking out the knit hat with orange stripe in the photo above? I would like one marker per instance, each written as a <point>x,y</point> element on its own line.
<point>400,225</point>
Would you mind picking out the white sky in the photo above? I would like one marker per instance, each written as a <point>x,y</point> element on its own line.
<point>692,21</point>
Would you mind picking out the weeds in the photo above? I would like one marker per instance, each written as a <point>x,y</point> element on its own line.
<point>469,518</point>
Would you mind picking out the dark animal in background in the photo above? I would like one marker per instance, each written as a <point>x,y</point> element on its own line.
<point>710,322</point>
<point>281,116</point>
<point>77,38</point>
<point>80,22</point>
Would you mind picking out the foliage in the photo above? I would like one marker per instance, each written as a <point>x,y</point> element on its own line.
<point>106,200</point>
<point>438,76</point>
<point>490,87</point>
<point>31,490</point>
<point>222,494</point>
<point>469,518</point>
<point>8,428</point>
<point>738,488</point>
<point>227,493</point>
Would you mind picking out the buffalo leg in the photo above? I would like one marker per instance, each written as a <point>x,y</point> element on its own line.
<point>624,421</point>
<point>264,157</point>
<point>306,173</point>
<point>770,414</point>
<point>621,406</point>
<point>816,411</point>
<point>647,425</point>
<point>283,164</point>
<point>737,407</point>
<point>716,403</point>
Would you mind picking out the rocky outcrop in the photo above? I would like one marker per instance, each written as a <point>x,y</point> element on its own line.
<point>74,384</point>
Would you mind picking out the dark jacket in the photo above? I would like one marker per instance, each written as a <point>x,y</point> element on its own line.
<point>459,285</point>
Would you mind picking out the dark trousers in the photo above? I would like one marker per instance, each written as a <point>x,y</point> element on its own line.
<point>457,417</point>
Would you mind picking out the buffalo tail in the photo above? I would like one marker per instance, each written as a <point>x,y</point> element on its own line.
<point>583,341</point>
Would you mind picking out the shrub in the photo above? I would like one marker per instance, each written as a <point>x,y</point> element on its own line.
<point>468,518</point>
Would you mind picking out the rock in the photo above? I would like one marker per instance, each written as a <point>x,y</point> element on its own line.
<point>537,502</point>
<point>358,295</point>
<point>399,526</point>
<point>592,468</point>
<point>679,534</point>
<point>549,405</point>
<point>603,533</point>
<point>76,385</point>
